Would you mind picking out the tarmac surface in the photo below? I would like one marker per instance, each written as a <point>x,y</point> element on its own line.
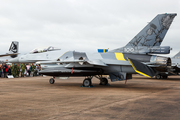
<point>141,98</point>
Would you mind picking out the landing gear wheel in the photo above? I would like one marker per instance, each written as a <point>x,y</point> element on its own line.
<point>51,81</point>
<point>158,76</point>
<point>165,77</point>
<point>103,81</point>
<point>87,82</point>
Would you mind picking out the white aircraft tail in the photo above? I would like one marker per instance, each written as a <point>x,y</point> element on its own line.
<point>14,48</point>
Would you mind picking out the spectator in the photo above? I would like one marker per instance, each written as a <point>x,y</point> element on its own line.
<point>15,70</point>
<point>18,70</point>
<point>39,66</point>
<point>4,70</point>
<point>9,70</point>
<point>28,69</point>
<point>32,69</point>
<point>36,71</point>
<point>23,67</point>
<point>1,70</point>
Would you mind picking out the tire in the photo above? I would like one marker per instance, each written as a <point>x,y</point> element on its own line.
<point>51,81</point>
<point>165,77</point>
<point>103,81</point>
<point>158,76</point>
<point>87,82</point>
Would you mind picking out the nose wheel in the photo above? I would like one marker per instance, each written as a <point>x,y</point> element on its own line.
<point>87,82</point>
<point>51,81</point>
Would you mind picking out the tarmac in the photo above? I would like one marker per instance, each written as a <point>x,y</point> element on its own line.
<point>33,98</point>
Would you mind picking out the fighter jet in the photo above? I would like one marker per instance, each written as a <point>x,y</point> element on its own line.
<point>38,54</point>
<point>119,64</point>
<point>13,50</point>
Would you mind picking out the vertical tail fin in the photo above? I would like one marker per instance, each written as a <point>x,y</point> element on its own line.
<point>14,48</point>
<point>153,33</point>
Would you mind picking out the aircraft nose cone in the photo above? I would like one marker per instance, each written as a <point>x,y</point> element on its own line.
<point>14,60</point>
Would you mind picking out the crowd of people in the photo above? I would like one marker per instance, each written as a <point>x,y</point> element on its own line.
<point>19,70</point>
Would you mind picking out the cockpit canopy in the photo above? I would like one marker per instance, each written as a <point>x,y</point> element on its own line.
<point>43,49</point>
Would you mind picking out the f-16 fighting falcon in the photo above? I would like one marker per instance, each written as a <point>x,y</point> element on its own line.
<point>121,63</point>
<point>38,54</point>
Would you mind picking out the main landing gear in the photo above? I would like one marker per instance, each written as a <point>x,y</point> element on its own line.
<point>158,76</point>
<point>103,81</point>
<point>88,83</point>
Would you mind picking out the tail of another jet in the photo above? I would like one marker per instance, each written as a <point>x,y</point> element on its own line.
<point>177,56</point>
<point>14,48</point>
<point>151,36</point>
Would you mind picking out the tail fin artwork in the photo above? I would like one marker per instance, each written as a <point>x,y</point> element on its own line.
<point>14,48</point>
<point>151,36</point>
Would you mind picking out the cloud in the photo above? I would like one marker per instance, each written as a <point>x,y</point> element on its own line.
<point>82,25</point>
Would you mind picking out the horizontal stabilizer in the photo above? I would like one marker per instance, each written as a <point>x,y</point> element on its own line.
<point>7,54</point>
<point>142,68</point>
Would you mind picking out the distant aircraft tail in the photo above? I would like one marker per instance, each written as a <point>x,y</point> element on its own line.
<point>151,35</point>
<point>14,48</point>
<point>177,56</point>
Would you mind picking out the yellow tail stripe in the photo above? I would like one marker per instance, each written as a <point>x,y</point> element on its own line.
<point>119,56</point>
<point>137,70</point>
<point>103,50</point>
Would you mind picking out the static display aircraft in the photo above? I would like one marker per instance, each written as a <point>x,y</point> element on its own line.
<point>13,50</point>
<point>120,63</point>
<point>38,54</point>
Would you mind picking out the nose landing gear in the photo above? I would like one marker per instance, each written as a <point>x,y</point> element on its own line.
<point>52,80</point>
<point>87,82</point>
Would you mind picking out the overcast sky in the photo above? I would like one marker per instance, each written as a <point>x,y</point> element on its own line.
<point>82,25</point>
